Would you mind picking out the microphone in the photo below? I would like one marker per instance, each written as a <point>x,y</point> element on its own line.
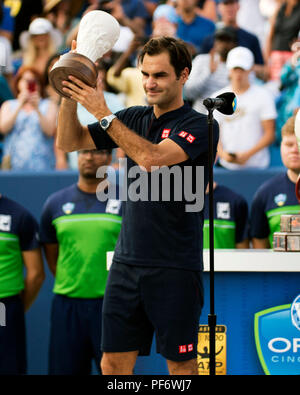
<point>225,103</point>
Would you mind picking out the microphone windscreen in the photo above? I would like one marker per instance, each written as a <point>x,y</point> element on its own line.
<point>230,103</point>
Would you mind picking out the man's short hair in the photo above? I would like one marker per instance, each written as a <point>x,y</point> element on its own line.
<point>288,129</point>
<point>176,48</point>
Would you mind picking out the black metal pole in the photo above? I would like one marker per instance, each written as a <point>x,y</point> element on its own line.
<point>212,319</point>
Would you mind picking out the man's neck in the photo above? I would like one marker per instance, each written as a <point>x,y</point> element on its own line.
<point>293,175</point>
<point>188,15</point>
<point>89,185</point>
<point>240,88</point>
<point>231,23</point>
<point>159,110</point>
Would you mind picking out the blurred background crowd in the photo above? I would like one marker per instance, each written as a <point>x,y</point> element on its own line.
<point>262,68</point>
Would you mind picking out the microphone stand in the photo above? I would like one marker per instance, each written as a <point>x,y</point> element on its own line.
<point>226,104</point>
<point>212,318</point>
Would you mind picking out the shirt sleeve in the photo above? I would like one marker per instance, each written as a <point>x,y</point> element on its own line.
<point>28,232</point>
<point>258,56</point>
<point>267,108</point>
<point>101,139</point>
<point>192,136</point>
<point>47,229</point>
<point>259,226</point>
<point>242,221</point>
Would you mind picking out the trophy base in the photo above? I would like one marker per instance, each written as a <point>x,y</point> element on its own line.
<point>74,64</point>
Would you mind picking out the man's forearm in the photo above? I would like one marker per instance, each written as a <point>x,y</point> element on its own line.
<point>140,150</point>
<point>32,286</point>
<point>69,130</point>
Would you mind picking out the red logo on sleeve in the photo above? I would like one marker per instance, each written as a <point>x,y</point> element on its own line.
<point>190,347</point>
<point>165,133</point>
<point>190,138</point>
<point>182,349</point>
<point>183,134</point>
<point>187,136</point>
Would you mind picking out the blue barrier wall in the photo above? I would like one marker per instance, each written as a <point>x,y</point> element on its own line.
<point>31,190</point>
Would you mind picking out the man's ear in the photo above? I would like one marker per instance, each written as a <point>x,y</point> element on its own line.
<point>185,74</point>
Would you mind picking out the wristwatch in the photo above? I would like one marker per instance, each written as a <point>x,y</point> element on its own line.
<point>106,121</point>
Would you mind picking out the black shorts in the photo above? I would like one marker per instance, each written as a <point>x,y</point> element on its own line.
<point>142,300</point>
<point>13,356</point>
<point>75,335</point>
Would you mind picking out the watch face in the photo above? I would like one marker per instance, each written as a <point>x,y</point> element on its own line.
<point>104,123</point>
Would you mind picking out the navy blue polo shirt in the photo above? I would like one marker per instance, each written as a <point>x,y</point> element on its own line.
<point>18,233</point>
<point>160,233</point>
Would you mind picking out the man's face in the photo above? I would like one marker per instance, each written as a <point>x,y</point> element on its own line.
<point>90,160</point>
<point>160,82</point>
<point>186,5</point>
<point>289,153</point>
<point>228,11</point>
<point>238,76</point>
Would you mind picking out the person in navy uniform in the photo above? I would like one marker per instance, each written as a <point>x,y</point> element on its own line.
<point>277,196</point>
<point>231,225</point>
<point>73,221</point>
<point>155,281</point>
<point>19,249</point>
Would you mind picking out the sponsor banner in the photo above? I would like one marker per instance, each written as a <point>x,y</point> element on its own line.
<point>277,338</point>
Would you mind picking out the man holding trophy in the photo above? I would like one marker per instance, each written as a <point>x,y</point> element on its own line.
<point>155,281</point>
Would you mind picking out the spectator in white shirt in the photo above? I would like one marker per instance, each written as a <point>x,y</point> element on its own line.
<point>246,135</point>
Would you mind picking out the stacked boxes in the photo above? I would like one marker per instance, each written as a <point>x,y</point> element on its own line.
<point>288,239</point>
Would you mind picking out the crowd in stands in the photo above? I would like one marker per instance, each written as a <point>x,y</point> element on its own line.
<point>264,73</point>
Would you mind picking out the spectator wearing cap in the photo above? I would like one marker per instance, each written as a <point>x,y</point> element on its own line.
<point>209,73</point>
<point>192,28</point>
<point>228,10</point>
<point>39,43</point>
<point>246,135</point>
<point>62,14</point>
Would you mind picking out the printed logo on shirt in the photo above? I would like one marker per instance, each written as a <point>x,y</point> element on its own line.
<point>280,199</point>
<point>165,133</point>
<point>182,349</point>
<point>68,207</point>
<point>5,223</point>
<point>187,136</point>
<point>186,348</point>
<point>223,210</point>
<point>190,138</point>
<point>183,134</point>
<point>113,206</point>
